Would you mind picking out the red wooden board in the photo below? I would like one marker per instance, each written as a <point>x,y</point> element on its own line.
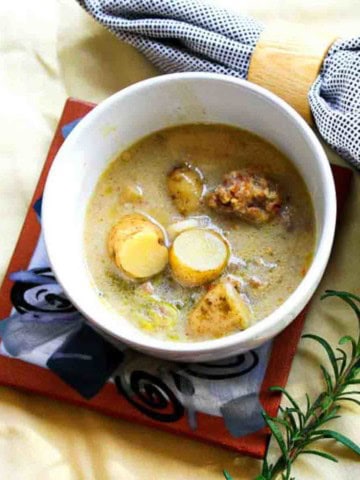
<point>22,375</point>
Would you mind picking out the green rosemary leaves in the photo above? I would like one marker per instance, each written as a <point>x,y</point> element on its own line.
<point>296,430</point>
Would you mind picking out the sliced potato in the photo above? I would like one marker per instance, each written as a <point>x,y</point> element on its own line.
<point>185,185</point>
<point>137,246</point>
<point>219,312</point>
<point>198,256</point>
<point>142,255</point>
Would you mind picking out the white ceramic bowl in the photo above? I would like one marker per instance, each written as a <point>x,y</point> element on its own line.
<point>137,111</point>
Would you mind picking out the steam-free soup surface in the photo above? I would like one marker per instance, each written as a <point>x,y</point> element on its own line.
<point>268,260</point>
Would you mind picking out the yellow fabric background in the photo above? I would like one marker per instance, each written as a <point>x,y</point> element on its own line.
<point>49,50</point>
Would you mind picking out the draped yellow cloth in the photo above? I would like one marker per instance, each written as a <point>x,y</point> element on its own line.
<point>49,50</point>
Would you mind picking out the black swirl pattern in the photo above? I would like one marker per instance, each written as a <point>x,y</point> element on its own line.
<point>232,367</point>
<point>44,295</point>
<point>151,396</point>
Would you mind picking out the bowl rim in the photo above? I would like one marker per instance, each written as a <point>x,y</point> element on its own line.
<point>287,311</point>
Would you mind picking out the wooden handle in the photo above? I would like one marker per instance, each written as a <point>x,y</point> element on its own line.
<point>287,60</point>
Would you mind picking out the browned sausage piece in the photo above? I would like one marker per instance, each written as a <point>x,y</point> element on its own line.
<point>247,194</point>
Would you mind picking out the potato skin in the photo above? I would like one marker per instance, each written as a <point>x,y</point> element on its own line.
<point>190,278</point>
<point>185,185</point>
<point>221,311</point>
<point>129,227</point>
<point>126,226</point>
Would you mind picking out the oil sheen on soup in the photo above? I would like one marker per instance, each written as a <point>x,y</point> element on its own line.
<point>198,231</point>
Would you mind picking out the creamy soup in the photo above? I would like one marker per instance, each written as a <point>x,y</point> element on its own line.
<point>191,267</point>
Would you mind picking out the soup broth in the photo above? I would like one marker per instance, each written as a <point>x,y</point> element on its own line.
<point>267,260</point>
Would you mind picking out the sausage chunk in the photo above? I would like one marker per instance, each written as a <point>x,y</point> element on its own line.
<point>247,194</point>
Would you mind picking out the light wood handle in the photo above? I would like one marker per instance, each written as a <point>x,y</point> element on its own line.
<point>287,60</point>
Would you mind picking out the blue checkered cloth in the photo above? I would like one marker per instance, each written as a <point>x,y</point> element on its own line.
<point>192,36</point>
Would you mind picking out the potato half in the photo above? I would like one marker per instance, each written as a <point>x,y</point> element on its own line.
<point>198,256</point>
<point>219,312</point>
<point>185,186</point>
<point>136,246</point>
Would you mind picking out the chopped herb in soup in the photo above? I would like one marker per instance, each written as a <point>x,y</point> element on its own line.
<point>199,231</point>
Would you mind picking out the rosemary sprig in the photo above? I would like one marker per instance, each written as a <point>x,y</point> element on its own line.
<point>297,429</point>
